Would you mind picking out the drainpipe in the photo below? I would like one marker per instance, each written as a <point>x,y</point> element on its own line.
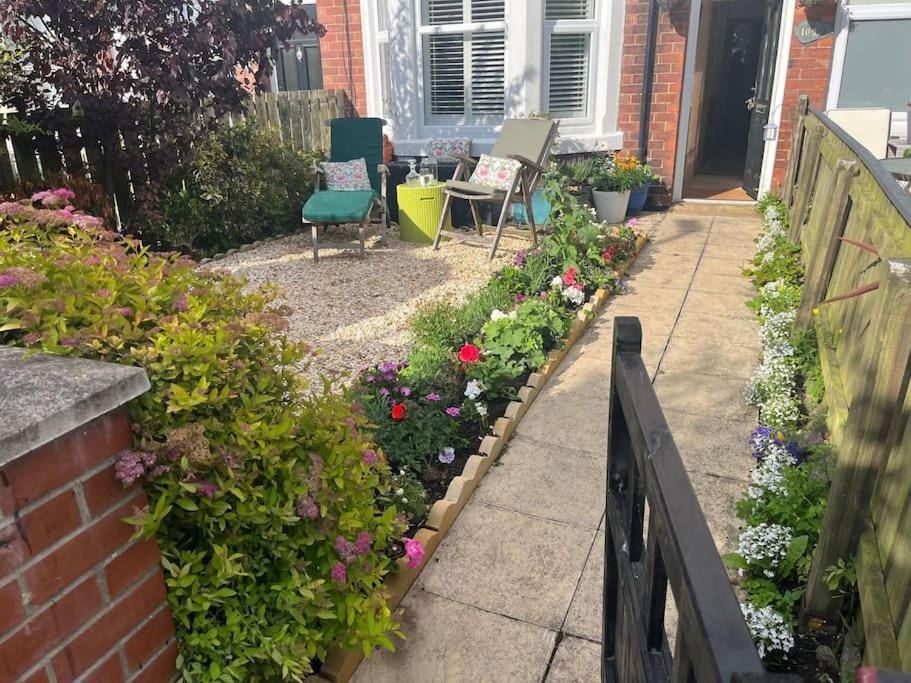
<point>648,76</point>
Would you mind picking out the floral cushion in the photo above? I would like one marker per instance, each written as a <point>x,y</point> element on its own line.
<point>495,172</point>
<point>442,149</point>
<point>347,175</point>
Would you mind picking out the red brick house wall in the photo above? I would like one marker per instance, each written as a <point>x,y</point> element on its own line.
<point>76,595</point>
<point>342,49</point>
<point>808,73</point>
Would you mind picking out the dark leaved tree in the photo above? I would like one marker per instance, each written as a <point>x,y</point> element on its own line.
<point>142,79</point>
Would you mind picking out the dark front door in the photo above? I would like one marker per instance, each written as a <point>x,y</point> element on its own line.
<point>762,96</point>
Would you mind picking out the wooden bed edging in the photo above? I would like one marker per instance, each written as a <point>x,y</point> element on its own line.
<point>341,663</point>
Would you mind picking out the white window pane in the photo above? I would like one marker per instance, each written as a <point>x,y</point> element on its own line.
<point>443,11</point>
<point>567,95</point>
<point>488,52</point>
<point>487,10</point>
<point>382,15</point>
<point>385,85</point>
<point>445,83</point>
<point>877,71</point>
<point>568,9</point>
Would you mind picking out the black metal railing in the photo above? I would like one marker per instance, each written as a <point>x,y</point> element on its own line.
<point>644,469</point>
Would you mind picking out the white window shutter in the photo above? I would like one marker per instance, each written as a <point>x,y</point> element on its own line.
<point>447,73</point>
<point>568,9</point>
<point>488,59</point>
<point>568,82</point>
<point>487,10</point>
<point>443,11</point>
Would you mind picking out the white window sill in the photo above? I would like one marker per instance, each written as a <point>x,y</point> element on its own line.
<point>570,143</point>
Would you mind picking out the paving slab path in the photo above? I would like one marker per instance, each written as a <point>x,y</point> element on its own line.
<point>514,591</point>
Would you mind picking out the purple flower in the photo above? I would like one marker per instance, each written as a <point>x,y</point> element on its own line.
<point>345,549</point>
<point>206,489</point>
<point>103,293</point>
<point>7,280</point>
<point>519,259</point>
<point>432,396</point>
<point>339,573</point>
<point>232,460</point>
<point>92,261</point>
<point>68,342</point>
<point>181,304</point>
<point>131,465</point>
<point>126,312</point>
<point>454,411</point>
<point>447,455</point>
<point>406,391</point>
<point>371,378</point>
<point>363,543</point>
<point>384,391</point>
<point>369,457</point>
<point>307,508</point>
<point>389,367</point>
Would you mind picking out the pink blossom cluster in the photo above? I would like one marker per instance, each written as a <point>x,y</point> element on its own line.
<point>414,550</point>
<point>59,198</point>
<point>131,465</point>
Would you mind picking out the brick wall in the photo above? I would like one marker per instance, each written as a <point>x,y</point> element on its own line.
<point>76,595</point>
<point>342,49</point>
<point>666,88</point>
<point>808,74</point>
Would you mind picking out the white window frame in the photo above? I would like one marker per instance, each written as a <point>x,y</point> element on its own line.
<point>576,26</point>
<point>525,76</point>
<point>846,14</point>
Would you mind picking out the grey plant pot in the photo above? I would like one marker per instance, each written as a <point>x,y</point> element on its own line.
<point>611,206</point>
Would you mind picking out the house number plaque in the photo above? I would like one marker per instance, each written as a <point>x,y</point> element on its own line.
<point>811,31</point>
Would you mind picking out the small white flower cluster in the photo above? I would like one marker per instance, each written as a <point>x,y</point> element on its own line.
<point>474,389</point>
<point>769,629</point>
<point>775,332</point>
<point>766,545</point>
<point>772,389</point>
<point>497,314</point>
<point>574,296</point>
<point>768,476</point>
<point>779,295</point>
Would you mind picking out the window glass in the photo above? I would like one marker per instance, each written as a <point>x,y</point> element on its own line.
<point>568,9</point>
<point>567,95</point>
<point>877,70</point>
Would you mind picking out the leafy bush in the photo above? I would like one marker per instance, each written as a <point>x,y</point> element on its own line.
<point>241,185</point>
<point>264,501</point>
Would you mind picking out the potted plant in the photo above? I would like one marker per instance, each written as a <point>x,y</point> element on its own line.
<point>645,176</point>
<point>615,179</point>
<point>577,177</point>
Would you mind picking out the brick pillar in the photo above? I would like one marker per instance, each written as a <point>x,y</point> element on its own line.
<point>666,87</point>
<point>77,597</point>
<point>809,67</point>
<point>342,49</point>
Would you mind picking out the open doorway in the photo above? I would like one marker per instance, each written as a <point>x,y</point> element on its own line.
<point>732,82</point>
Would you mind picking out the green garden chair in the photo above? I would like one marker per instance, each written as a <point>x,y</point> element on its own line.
<point>351,138</point>
<point>518,163</point>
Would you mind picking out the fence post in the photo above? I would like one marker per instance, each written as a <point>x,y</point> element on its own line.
<point>806,181</point>
<point>818,277</point>
<point>800,114</point>
<point>869,435</point>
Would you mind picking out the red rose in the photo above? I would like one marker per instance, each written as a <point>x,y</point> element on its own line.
<point>469,354</point>
<point>398,412</point>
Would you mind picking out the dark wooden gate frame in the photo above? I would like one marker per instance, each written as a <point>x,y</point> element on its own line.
<point>644,466</point>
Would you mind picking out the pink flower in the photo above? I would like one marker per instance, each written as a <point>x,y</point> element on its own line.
<point>363,543</point>
<point>7,280</point>
<point>369,457</point>
<point>92,261</point>
<point>181,304</point>
<point>132,465</point>
<point>68,342</point>
<point>126,312</point>
<point>454,411</point>
<point>569,277</point>
<point>414,549</point>
<point>345,549</point>
<point>632,222</point>
<point>103,293</point>
<point>432,396</point>
<point>339,573</point>
<point>307,508</point>
<point>520,298</point>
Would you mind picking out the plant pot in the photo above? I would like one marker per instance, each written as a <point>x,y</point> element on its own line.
<point>582,193</point>
<point>637,200</point>
<point>611,206</point>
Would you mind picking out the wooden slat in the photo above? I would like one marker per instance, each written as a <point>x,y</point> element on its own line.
<point>7,177</point>
<point>25,152</point>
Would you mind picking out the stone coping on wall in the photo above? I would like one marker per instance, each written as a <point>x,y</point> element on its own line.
<point>44,396</point>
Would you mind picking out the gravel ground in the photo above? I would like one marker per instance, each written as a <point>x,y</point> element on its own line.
<point>356,311</point>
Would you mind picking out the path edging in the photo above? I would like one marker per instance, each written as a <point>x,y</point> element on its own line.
<point>341,663</point>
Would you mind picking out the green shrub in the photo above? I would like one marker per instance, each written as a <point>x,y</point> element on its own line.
<point>258,493</point>
<point>241,185</point>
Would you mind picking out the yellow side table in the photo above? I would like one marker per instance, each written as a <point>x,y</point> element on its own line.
<point>420,209</point>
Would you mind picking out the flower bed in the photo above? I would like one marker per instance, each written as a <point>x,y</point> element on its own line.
<point>785,502</point>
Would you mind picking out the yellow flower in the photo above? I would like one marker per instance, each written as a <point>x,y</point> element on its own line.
<point>816,310</point>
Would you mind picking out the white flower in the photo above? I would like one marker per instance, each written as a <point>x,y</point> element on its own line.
<point>404,500</point>
<point>573,295</point>
<point>768,476</point>
<point>766,545</point>
<point>497,314</point>
<point>481,408</point>
<point>557,281</point>
<point>769,629</point>
<point>474,389</point>
<point>400,492</point>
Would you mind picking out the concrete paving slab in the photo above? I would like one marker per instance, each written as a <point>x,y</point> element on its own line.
<point>677,275</point>
<point>584,617</point>
<point>576,661</point>
<point>698,325</point>
<point>547,481</point>
<point>699,394</point>
<point>549,418</point>
<point>722,284</point>
<point>731,252</point>
<point>709,357</point>
<point>719,266</point>
<point>711,446</point>
<point>711,303</point>
<point>718,496</point>
<point>682,242</point>
<point>509,563</point>
<point>449,642</point>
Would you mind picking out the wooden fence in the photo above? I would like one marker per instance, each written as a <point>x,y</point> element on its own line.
<point>853,223</point>
<point>34,160</point>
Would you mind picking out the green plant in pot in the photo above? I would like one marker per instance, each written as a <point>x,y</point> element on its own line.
<point>578,176</point>
<point>612,188</point>
<point>645,177</point>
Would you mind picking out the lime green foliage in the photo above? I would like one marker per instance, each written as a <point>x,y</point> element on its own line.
<point>251,483</point>
<point>241,185</point>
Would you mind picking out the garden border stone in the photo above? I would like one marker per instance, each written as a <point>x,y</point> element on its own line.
<point>341,663</point>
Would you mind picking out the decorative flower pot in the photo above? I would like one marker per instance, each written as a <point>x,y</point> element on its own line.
<point>637,200</point>
<point>611,206</point>
<point>582,193</point>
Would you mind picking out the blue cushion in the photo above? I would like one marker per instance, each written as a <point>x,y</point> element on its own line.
<point>336,206</point>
